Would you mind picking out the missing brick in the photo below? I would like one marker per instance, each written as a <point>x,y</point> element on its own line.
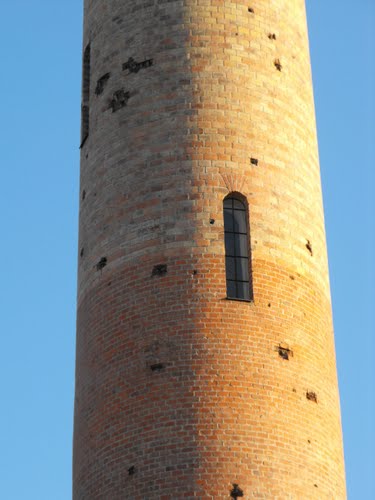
<point>101,264</point>
<point>272,36</point>
<point>119,100</point>
<point>131,470</point>
<point>159,270</point>
<point>157,367</point>
<point>284,352</point>
<point>277,64</point>
<point>236,491</point>
<point>101,83</point>
<point>309,247</point>
<point>133,66</point>
<point>254,161</point>
<point>311,396</point>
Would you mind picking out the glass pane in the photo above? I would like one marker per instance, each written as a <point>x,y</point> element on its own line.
<point>241,245</point>
<point>231,289</point>
<point>230,268</point>
<point>228,220</point>
<point>229,244</point>
<point>243,290</point>
<point>228,203</point>
<point>242,269</point>
<point>238,204</point>
<point>240,221</point>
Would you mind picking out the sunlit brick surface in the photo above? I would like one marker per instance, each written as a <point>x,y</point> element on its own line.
<point>181,393</point>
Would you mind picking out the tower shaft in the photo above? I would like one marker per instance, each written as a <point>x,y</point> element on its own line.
<point>184,387</point>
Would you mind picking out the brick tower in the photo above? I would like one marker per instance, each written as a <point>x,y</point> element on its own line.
<point>205,350</point>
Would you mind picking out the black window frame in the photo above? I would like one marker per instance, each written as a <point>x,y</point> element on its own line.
<point>236,230</point>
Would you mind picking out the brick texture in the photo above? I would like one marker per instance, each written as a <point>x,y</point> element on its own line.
<point>180,392</point>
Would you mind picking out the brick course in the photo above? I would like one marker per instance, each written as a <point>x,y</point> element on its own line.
<point>181,393</point>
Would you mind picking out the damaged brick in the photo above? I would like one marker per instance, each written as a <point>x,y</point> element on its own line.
<point>159,270</point>
<point>311,396</point>
<point>133,66</point>
<point>131,470</point>
<point>101,83</point>
<point>119,100</point>
<point>212,221</point>
<point>236,491</point>
<point>277,64</point>
<point>254,161</point>
<point>101,264</point>
<point>157,367</point>
<point>250,9</point>
<point>272,36</point>
<point>284,352</point>
<point>309,247</point>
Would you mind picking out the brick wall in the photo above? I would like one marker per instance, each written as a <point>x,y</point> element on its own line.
<point>181,393</point>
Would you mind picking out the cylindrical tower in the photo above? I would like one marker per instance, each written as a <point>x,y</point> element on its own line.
<point>205,350</point>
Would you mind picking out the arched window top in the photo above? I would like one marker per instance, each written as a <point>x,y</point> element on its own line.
<point>237,248</point>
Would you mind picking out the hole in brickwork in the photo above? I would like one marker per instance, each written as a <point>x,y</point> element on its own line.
<point>309,441</point>
<point>101,264</point>
<point>212,221</point>
<point>119,100</point>
<point>195,272</point>
<point>133,66</point>
<point>159,270</point>
<point>254,161</point>
<point>294,390</point>
<point>83,195</point>
<point>309,247</point>
<point>85,110</point>
<point>292,277</point>
<point>272,36</point>
<point>131,470</point>
<point>315,485</point>
<point>101,83</point>
<point>284,352</point>
<point>311,396</point>
<point>236,491</point>
<point>277,64</point>
<point>157,367</point>
<point>250,9</point>
<point>269,304</point>
<point>82,252</point>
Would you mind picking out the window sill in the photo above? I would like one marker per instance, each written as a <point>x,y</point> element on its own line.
<point>239,300</point>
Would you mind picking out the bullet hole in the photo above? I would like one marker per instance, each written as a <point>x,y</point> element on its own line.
<point>236,491</point>
<point>309,441</point>
<point>277,64</point>
<point>101,83</point>
<point>159,270</point>
<point>269,304</point>
<point>83,195</point>
<point>212,222</point>
<point>311,396</point>
<point>133,66</point>
<point>82,252</point>
<point>101,264</point>
<point>254,161</point>
<point>292,277</point>
<point>315,485</point>
<point>294,390</point>
<point>195,272</point>
<point>272,36</point>
<point>251,10</point>
<point>131,470</point>
<point>157,367</point>
<point>284,352</point>
<point>119,100</point>
<point>309,247</point>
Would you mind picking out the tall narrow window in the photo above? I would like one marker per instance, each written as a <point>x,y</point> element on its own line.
<point>237,249</point>
<point>85,110</point>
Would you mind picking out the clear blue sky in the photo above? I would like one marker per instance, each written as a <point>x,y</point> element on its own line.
<point>40,54</point>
